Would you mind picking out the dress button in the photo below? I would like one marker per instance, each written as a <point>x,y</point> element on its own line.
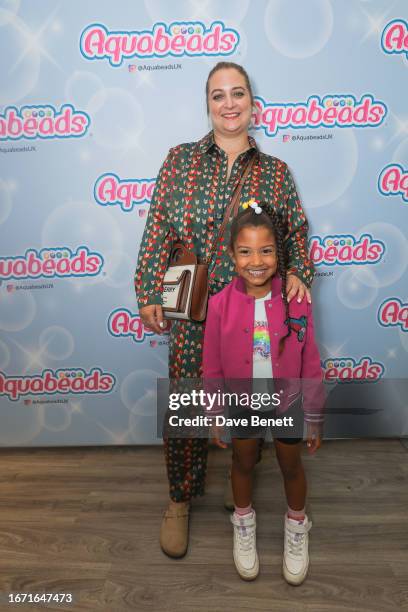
<point>269,305</point>
<point>246,330</point>
<point>275,333</point>
<point>246,360</point>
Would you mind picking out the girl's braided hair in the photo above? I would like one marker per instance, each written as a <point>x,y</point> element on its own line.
<point>270,219</point>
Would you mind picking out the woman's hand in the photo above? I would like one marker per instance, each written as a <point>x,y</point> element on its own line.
<point>295,287</point>
<point>152,318</point>
<point>216,433</point>
<point>314,437</point>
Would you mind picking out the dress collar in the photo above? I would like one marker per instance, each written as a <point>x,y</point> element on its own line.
<point>206,144</point>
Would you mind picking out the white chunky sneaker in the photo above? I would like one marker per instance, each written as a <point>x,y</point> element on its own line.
<point>245,555</point>
<point>296,554</point>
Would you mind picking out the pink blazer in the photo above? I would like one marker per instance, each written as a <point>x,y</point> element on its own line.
<point>228,341</point>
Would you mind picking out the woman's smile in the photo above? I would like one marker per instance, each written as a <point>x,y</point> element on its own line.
<point>231,115</point>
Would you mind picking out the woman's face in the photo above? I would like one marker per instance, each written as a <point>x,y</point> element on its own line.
<point>229,102</point>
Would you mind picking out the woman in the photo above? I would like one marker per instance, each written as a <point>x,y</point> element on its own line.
<point>193,189</point>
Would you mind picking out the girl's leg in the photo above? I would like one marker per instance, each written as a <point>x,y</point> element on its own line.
<point>290,463</point>
<point>228,493</point>
<point>297,525</point>
<point>245,453</point>
<point>244,457</point>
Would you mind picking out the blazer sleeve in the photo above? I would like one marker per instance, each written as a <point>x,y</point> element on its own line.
<point>156,242</point>
<point>314,395</point>
<point>212,367</point>
<point>299,261</point>
<point>213,373</point>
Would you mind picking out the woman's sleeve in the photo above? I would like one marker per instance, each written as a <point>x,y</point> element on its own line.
<point>299,262</point>
<point>156,241</point>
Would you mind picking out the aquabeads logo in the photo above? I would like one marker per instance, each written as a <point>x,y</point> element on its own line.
<point>123,323</point>
<point>331,111</point>
<point>394,38</point>
<point>347,369</point>
<point>52,262</point>
<point>50,382</point>
<point>187,38</point>
<point>345,249</point>
<point>393,313</point>
<point>393,180</point>
<point>110,190</point>
<point>43,122</point>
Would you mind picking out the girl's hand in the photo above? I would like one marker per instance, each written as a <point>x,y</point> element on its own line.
<point>295,287</point>
<point>314,437</point>
<point>152,318</point>
<point>216,433</point>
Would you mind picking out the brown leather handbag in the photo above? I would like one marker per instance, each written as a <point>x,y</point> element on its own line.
<point>185,284</point>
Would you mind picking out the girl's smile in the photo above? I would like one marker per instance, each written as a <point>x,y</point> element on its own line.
<point>257,273</point>
<point>255,259</point>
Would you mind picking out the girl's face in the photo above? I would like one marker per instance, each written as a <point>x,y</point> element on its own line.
<point>256,259</point>
<point>229,102</point>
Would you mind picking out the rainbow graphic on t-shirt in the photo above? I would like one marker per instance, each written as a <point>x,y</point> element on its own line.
<point>262,344</point>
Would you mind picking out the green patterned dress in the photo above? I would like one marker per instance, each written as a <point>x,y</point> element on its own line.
<point>190,196</point>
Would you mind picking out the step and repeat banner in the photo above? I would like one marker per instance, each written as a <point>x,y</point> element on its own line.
<point>92,96</point>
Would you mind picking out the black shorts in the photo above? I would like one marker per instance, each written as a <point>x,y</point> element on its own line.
<point>292,434</point>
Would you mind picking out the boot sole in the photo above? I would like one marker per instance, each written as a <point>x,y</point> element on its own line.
<point>173,556</point>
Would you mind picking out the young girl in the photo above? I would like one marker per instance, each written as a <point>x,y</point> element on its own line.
<point>253,332</point>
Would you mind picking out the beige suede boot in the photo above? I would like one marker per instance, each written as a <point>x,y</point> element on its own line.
<point>174,529</point>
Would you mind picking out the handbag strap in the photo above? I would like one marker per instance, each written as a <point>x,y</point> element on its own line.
<point>233,205</point>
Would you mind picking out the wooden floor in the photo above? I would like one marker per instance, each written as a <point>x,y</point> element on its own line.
<point>86,521</point>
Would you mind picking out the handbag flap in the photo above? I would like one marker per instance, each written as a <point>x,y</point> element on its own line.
<point>178,288</point>
<point>181,256</point>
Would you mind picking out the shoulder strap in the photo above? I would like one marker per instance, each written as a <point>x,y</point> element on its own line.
<point>234,203</point>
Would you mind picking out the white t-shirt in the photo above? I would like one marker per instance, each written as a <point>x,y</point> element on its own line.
<point>262,362</point>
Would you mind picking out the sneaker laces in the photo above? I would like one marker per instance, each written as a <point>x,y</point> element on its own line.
<point>295,543</point>
<point>245,535</point>
<point>295,539</point>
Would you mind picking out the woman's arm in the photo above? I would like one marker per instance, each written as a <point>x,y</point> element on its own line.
<point>156,242</point>
<point>299,262</point>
